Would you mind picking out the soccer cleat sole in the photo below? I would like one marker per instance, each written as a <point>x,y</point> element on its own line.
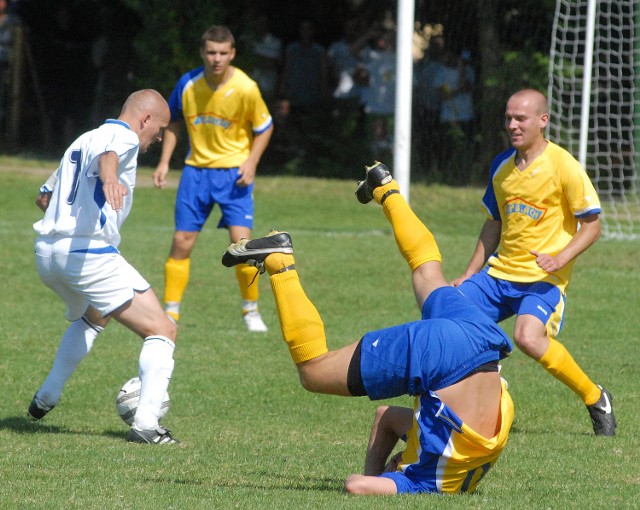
<point>376,175</point>
<point>254,251</point>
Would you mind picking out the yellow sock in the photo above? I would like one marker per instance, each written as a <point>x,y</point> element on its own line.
<point>247,277</point>
<point>414,239</point>
<point>278,261</point>
<point>560,364</point>
<point>300,322</point>
<point>176,278</point>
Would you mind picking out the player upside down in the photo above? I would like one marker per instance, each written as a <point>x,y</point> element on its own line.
<point>448,360</point>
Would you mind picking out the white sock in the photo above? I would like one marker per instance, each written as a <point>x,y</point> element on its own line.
<point>249,306</point>
<point>76,343</point>
<point>155,367</point>
<point>172,306</point>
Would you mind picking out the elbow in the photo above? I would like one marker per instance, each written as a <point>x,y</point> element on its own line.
<point>354,484</point>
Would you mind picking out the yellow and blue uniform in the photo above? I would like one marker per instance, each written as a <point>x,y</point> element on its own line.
<point>418,358</point>
<point>453,338</point>
<point>221,125</point>
<point>540,208</point>
<point>443,454</point>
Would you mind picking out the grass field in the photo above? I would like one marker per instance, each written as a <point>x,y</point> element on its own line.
<point>251,437</point>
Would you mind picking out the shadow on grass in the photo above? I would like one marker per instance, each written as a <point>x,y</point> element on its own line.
<point>24,425</point>
<point>287,482</point>
<point>545,431</point>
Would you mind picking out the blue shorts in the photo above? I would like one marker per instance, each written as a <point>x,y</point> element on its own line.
<point>453,338</point>
<point>201,188</point>
<point>501,299</point>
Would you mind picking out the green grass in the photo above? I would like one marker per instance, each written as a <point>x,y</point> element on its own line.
<point>251,437</point>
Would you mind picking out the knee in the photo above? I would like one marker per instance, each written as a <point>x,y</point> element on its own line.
<point>381,411</point>
<point>532,343</point>
<point>165,327</point>
<point>94,317</point>
<point>171,329</point>
<point>182,245</point>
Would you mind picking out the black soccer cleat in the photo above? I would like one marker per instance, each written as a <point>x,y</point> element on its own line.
<point>253,251</point>
<point>158,435</point>
<point>602,417</point>
<point>38,409</point>
<point>377,175</point>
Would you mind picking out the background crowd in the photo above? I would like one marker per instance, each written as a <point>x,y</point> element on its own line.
<point>327,85</point>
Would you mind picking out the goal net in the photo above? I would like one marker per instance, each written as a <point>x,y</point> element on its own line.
<point>594,73</point>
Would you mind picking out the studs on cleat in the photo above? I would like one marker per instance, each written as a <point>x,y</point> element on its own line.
<point>377,175</point>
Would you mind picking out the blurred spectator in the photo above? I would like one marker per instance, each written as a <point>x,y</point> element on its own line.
<point>348,82</point>
<point>113,60</point>
<point>428,105</point>
<point>343,61</point>
<point>304,85</point>
<point>8,22</point>
<point>266,51</point>
<point>379,61</point>
<point>286,144</point>
<point>99,52</point>
<point>304,77</point>
<point>68,75</point>
<point>455,86</point>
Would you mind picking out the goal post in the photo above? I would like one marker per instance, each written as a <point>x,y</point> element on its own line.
<point>594,75</point>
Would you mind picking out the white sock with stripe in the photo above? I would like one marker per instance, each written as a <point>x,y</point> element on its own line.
<point>155,367</point>
<point>76,343</point>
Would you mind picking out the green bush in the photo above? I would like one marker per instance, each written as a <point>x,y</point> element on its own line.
<point>168,42</point>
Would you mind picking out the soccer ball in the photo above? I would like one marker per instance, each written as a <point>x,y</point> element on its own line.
<point>127,401</point>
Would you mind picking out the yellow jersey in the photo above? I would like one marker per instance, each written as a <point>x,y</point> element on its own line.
<point>220,123</point>
<point>539,208</point>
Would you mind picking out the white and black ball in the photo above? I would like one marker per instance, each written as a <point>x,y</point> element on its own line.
<point>127,401</point>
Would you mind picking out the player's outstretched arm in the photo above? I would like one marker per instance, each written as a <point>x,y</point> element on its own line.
<point>390,424</point>
<point>247,170</point>
<point>169,143</point>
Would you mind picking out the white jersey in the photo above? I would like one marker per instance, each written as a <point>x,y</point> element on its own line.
<point>78,207</point>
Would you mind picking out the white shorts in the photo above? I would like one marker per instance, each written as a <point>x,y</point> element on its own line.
<point>84,272</point>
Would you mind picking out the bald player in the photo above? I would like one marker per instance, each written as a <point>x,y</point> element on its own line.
<point>86,201</point>
<point>543,212</point>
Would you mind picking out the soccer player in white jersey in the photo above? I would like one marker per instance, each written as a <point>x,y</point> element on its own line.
<point>86,202</point>
<point>537,197</point>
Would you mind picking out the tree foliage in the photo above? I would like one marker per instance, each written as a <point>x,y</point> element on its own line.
<point>156,41</point>
<point>168,42</point>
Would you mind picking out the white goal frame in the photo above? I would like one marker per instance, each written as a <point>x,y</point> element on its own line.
<point>594,74</point>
